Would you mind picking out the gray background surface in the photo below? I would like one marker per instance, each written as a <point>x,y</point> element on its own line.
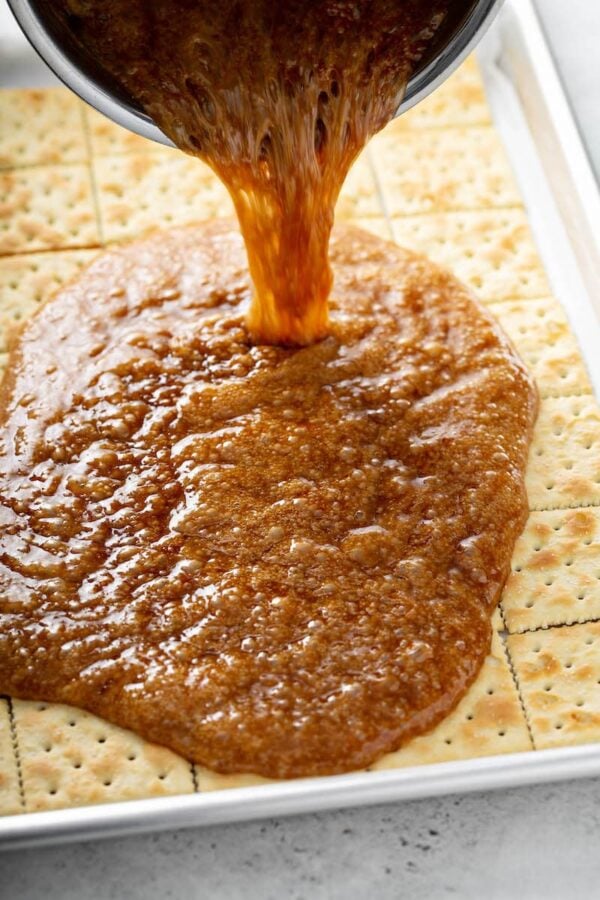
<point>541,842</point>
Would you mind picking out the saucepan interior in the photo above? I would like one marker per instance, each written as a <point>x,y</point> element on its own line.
<point>56,42</point>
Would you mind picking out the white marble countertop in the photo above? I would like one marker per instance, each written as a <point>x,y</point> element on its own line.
<point>539,842</point>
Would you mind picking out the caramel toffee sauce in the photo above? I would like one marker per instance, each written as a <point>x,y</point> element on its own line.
<point>269,559</point>
<point>278,98</point>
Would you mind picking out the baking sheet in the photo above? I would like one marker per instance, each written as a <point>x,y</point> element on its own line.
<point>563,203</point>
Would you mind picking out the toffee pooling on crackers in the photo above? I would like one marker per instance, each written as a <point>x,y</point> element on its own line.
<point>278,98</point>
<point>273,560</point>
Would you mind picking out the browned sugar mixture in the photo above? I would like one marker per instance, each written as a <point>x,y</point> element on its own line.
<point>272,560</point>
<point>278,98</point>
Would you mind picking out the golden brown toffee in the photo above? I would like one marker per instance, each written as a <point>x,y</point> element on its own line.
<point>279,98</point>
<point>271,560</point>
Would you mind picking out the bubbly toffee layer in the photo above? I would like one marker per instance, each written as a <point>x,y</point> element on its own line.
<point>272,560</point>
<point>278,98</point>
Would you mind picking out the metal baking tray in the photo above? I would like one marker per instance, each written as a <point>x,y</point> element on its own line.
<point>563,202</point>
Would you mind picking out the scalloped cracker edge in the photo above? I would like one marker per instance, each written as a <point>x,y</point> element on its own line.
<point>10,794</point>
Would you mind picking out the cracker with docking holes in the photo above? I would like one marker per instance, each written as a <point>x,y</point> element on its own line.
<point>491,250</point>
<point>555,577</point>
<point>432,170</point>
<point>540,331</point>
<point>72,758</point>
<point>10,793</point>
<point>140,192</point>
<point>41,126</point>
<point>564,460</point>
<point>558,671</point>
<point>28,279</point>
<point>47,208</point>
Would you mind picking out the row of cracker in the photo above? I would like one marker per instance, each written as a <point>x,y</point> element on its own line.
<point>68,757</point>
<point>67,206</point>
<point>71,178</point>
<point>490,250</point>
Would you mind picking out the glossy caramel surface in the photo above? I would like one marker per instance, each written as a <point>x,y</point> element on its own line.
<point>273,560</point>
